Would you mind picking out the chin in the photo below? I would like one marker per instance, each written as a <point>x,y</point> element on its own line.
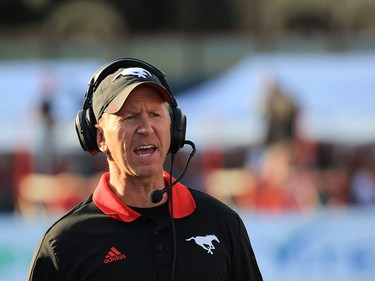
<point>149,171</point>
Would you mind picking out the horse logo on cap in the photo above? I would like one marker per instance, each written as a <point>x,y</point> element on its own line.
<point>133,71</point>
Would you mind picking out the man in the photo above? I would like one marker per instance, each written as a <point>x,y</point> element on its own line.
<point>122,232</point>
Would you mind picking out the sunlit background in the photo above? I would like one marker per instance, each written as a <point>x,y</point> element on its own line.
<point>280,101</point>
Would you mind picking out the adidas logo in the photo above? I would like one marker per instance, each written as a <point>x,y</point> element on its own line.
<point>114,255</point>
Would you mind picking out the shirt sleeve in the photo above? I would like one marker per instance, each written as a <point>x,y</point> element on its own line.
<point>244,264</point>
<point>44,265</point>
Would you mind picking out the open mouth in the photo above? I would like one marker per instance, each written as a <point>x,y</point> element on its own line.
<point>145,150</point>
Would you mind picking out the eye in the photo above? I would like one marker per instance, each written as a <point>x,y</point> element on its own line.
<point>130,117</point>
<point>155,114</point>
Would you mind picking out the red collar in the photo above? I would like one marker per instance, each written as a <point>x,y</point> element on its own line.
<point>110,204</point>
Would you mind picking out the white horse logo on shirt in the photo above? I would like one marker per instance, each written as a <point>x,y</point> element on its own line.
<point>205,242</point>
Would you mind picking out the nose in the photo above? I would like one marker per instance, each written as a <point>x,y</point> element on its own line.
<point>145,126</point>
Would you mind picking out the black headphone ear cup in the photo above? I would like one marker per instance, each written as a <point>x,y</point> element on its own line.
<point>86,131</point>
<point>178,129</point>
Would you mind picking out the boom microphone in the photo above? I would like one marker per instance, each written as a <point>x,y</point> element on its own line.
<point>156,195</point>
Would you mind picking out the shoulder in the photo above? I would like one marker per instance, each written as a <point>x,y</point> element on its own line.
<point>208,204</point>
<point>73,219</point>
<point>213,216</point>
<point>201,196</point>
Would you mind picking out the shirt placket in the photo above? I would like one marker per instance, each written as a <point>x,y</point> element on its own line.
<point>162,241</point>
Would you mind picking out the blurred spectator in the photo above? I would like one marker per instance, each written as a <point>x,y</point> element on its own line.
<point>333,190</point>
<point>6,192</point>
<point>41,194</point>
<point>45,161</point>
<point>280,112</point>
<point>233,186</point>
<point>362,185</point>
<point>273,189</point>
<point>304,182</point>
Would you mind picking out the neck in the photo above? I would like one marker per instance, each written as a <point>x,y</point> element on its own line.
<point>134,191</point>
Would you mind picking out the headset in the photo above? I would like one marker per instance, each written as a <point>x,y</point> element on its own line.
<point>85,120</point>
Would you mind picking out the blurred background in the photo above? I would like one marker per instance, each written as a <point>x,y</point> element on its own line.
<point>279,97</point>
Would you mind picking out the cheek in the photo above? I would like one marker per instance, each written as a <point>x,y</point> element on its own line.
<point>163,132</point>
<point>168,136</point>
<point>168,139</point>
<point>167,129</point>
<point>114,136</point>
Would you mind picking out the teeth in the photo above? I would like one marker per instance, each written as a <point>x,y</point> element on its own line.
<point>146,147</point>
<point>145,155</point>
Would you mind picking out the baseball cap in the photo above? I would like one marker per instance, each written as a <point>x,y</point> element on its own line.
<point>112,92</point>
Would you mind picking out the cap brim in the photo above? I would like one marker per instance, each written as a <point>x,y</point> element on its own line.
<point>116,104</point>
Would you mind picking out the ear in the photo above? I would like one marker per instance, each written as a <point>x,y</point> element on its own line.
<point>100,139</point>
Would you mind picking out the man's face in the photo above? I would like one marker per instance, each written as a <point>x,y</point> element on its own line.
<point>137,138</point>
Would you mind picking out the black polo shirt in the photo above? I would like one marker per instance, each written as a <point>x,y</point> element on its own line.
<point>103,239</point>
